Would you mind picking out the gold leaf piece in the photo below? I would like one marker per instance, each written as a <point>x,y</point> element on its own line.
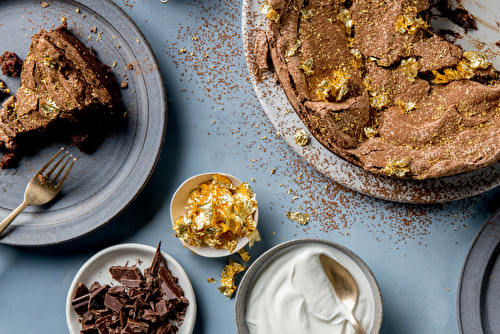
<point>301,218</point>
<point>410,68</point>
<point>270,13</point>
<point>306,14</point>
<point>244,255</point>
<point>397,168</point>
<point>301,137</point>
<point>307,66</point>
<point>227,278</point>
<point>345,16</point>
<point>333,88</point>
<point>410,25</point>
<point>370,132</point>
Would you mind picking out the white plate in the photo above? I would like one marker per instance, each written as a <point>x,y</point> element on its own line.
<point>179,207</point>
<point>275,103</point>
<point>97,269</point>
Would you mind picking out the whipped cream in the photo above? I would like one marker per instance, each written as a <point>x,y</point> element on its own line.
<point>292,294</point>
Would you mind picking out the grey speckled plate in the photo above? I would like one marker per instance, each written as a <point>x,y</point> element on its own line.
<point>275,104</point>
<point>478,297</point>
<point>102,184</point>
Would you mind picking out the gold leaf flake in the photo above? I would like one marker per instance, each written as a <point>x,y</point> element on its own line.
<point>301,218</point>
<point>244,255</point>
<point>333,88</point>
<point>410,68</point>
<point>410,25</point>
<point>270,13</point>
<point>345,16</point>
<point>398,168</point>
<point>301,137</point>
<point>227,278</point>
<point>370,132</point>
<point>305,14</point>
<point>307,66</point>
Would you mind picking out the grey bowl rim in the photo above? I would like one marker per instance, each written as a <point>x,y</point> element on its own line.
<point>251,272</point>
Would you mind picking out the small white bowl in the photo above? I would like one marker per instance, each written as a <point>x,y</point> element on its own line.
<point>269,257</point>
<point>179,207</point>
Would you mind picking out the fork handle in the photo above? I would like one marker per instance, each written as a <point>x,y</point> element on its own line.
<point>6,222</point>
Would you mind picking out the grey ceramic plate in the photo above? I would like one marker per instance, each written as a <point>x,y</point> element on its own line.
<point>478,299</point>
<point>275,104</point>
<point>246,283</point>
<point>102,184</point>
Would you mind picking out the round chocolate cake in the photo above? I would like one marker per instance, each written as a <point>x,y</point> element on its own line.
<point>376,86</point>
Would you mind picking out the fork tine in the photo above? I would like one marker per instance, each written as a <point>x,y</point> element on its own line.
<point>53,181</point>
<point>59,185</point>
<point>55,166</point>
<point>49,162</point>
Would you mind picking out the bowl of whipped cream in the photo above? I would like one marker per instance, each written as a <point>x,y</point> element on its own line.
<point>287,291</point>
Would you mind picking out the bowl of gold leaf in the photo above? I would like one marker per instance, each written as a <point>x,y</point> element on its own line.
<point>215,214</point>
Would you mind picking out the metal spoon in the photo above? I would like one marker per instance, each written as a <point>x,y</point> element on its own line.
<point>344,285</point>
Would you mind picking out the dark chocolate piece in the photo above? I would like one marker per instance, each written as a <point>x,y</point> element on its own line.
<point>130,273</point>
<point>113,303</point>
<point>134,306</point>
<point>81,299</point>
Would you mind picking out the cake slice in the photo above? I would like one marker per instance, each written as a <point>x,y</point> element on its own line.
<point>65,92</point>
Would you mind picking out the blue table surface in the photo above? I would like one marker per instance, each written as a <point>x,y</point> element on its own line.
<point>215,123</point>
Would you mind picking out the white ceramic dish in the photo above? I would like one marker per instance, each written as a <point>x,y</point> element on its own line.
<point>97,269</point>
<point>179,207</point>
<point>275,104</point>
<point>268,257</point>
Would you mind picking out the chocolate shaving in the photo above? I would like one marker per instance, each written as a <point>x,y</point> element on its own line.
<point>141,304</point>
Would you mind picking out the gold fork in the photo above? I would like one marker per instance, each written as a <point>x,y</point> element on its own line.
<point>41,189</point>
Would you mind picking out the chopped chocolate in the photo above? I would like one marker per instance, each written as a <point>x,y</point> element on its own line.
<point>65,92</point>
<point>131,273</point>
<point>133,307</point>
<point>81,299</point>
<point>113,303</point>
<point>11,64</point>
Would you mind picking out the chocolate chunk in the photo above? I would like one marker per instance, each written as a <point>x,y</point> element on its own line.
<point>81,299</point>
<point>11,64</point>
<point>113,303</point>
<point>131,273</point>
<point>96,300</point>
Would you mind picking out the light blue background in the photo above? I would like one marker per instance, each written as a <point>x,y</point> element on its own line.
<point>414,251</point>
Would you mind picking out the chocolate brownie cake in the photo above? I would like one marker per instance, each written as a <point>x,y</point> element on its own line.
<point>65,92</point>
<point>376,86</point>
